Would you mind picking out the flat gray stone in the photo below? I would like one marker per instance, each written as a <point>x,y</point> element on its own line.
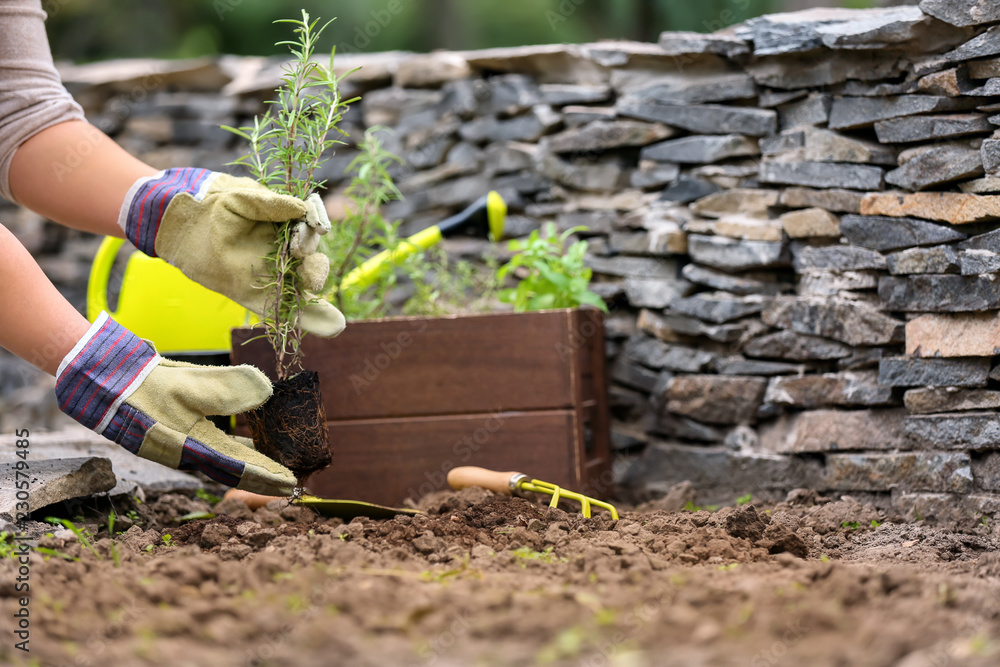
<point>962,12</point>
<point>654,292</point>
<point>977,262</point>
<point>846,321</point>
<point>924,128</point>
<point>832,283</point>
<point>813,110</point>
<point>634,267</point>
<point>527,127</point>
<point>796,347</point>
<point>848,388</point>
<point>837,258</point>
<point>587,176</point>
<point>835,28</point>
<point>971,430</point>
<point>815,431</point>
<point>982,46</point>
<point>928,400</point>
<point>917,471</point>
<point>716,399</point>
<point>821,175</point>
<point>988,241</point>
<point>738,365</point>
<point>840,201</point>
<point>885,233</point>
<point>654,353</point>
<point>634,375</point>
<point>716,470</point>
<point>742,284</point>
<point>942,259</point>
<point>821,68</point>
<point>52,481</point>
<point>719,307</point>
<point>651,176</point>
<point>936,167</point>
<point>700,149</point>
<point>916,372</point>
<point>855,112</point>
<point>687,190</point>
<point>746,201</point>
<point>136,476</point>
<point>601,136</point>
<point>677,43</point>
<point>990,153</point>
<point>818,145</point>
<point>940,293</point>
<point>671,326</point>
<point>706,118</point>
<point>736,255</point>
<point>562,94</point>
<point>694,87</point>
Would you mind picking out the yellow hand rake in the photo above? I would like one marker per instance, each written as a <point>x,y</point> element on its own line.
<point>509,482</point>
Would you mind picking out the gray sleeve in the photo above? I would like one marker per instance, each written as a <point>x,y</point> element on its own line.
<point>32,96</point>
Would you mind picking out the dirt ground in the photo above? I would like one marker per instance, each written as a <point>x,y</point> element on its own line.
<point>487,580</point>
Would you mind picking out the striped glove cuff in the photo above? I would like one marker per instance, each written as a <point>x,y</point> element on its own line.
<point>148,198</point>
<point>102,370</point>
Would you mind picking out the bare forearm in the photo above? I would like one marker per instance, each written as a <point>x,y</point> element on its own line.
<point>36,322</point>
<point>76,175</point>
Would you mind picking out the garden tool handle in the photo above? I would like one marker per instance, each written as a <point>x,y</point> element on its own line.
<point>499,482</point>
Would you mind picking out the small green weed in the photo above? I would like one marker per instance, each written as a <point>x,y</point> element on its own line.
<point>167,540</point>
<point>744,500</point>
<point>83,536</point>
<point>526,553</point>
<point>875,524</point>
<point>7,547</point>
<point>850,525</point>
<point>210,498</point>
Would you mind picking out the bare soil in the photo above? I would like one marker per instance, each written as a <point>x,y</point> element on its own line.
<point>488,580</point>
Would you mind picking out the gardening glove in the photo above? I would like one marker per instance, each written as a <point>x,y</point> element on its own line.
<point>117,385</point>
<point>218,228</point>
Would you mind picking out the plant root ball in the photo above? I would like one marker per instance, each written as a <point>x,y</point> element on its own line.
<point>291,427</point>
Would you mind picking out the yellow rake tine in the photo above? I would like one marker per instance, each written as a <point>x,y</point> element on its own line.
<point>557,492</point>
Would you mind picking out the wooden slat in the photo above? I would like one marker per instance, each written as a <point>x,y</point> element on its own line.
<point>436,366</point>
<point>388,460</point>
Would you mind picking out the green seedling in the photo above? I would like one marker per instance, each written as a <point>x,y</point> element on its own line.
<point>727,568</point>
<point>556,276</point>
<point>850,525</point>
<point>525,553</point>
<point>167,540</point>
<point>82,535</point>
<point>211,499</point>
<point>875,524</point>
<point>744,500</point>
<point>111,532</point>
<point>691,507</point>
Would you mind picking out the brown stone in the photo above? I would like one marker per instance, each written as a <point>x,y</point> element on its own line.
<point>828,389</point>
<point>810,222</point>
<point>430,70</point>
<point>716,399</point>
<point>842,201</point>
<point>953,207</point>
<point>928,400</point>
<point>958,335</point>
<point>835,430</point>
<point>739,200</point>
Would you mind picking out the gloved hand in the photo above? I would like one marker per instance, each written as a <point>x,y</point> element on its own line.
<point>117,385</point>
<point>217,229</point>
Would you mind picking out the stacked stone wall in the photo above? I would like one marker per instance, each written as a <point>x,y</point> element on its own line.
<point>795,222</point>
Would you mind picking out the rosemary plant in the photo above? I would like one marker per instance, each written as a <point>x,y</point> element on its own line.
<point>287,145</point>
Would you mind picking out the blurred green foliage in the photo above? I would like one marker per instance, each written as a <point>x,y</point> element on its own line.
<point>83,30</point>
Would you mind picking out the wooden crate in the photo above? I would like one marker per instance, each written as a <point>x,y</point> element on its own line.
<point>407,399</point>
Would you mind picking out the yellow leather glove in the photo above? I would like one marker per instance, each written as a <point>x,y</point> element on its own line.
<point>218,228</point>
<point>117,385</point>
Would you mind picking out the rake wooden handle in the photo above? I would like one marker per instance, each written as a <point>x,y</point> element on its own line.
<point>252,500</point>
<point>466,476</point>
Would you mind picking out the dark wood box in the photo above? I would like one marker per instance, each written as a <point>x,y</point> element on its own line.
<point>407,399</point>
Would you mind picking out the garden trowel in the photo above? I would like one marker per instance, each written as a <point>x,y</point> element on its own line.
<point>343,509</point>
